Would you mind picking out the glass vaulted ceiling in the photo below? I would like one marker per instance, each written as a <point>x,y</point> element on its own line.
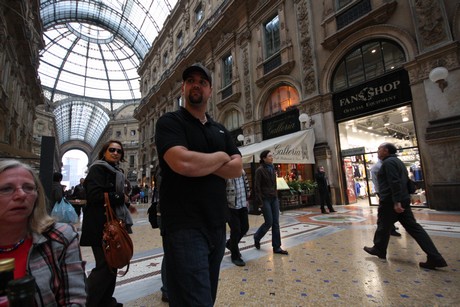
<point>88,68</point>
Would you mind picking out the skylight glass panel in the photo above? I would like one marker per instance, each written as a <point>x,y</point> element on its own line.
<point>95,48</point>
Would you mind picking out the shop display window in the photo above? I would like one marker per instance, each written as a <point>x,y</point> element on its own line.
<point>359,140</point>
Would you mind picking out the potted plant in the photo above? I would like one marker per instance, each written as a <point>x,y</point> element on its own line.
<point>294,185</point>
<point>308,191</point>
<point>308,186</point>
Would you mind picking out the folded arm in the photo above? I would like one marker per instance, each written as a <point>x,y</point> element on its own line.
<point>195,164</point>
<point>231,169</point>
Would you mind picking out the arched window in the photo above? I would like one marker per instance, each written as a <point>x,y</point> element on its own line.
<point>368,61</point>
<point>233,120</point>
<point>281,98</point>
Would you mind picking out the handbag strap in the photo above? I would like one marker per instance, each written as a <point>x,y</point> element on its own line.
<point>108,209</point>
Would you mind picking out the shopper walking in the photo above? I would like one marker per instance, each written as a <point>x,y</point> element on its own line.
<point>57,191</point>
<point>266,197</point>
<point>196,156</point>
<point>374,174</point>
<point>80,194</point>
<point>104,176</point>
<point>394,205</point>
<point>238,194</point>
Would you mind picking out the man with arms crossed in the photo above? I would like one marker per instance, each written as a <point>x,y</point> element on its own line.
<point>196,156</point>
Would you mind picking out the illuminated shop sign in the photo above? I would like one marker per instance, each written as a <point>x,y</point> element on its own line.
<point>285,123</point>
<point>381,94</point>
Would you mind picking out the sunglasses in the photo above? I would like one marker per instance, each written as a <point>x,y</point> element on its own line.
<point>119,151</point>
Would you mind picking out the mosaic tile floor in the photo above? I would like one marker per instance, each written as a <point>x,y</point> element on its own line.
<point>326,265</point>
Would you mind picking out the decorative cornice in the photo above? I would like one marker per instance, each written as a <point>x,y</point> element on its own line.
<point>420,68</point>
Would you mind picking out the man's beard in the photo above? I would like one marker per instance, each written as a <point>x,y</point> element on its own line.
<point>195,99</point>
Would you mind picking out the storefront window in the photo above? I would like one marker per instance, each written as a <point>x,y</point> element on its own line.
<point>395,126</point>
<point>272,36</point>
<point>360,138</point>
<point>372,59</point>
<point>368,61</point>
<point>281,99</point>
<point>342,3</point>
<point>233,120</point>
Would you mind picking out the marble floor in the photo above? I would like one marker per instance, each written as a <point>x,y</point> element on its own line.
<point>326,265</point>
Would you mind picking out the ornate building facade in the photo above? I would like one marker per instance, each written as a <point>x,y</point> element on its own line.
<point>363,71</point>
<point>20,89</point>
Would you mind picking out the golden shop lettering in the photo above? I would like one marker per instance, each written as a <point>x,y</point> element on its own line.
<point>286,150</point>
<point>369,93</point>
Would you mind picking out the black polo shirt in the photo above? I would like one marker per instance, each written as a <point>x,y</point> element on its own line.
<point>191,202</point>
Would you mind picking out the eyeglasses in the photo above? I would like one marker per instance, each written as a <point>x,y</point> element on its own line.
<point>119,151</point>
<point>9,189</point>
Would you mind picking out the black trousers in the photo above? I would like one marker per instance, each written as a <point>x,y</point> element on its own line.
<point>101,281</point>
<point>387,217</point>
<point>239,226</point>
<point>325,199</point>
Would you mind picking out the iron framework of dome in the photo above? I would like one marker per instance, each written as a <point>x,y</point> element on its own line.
<point>88,68</point>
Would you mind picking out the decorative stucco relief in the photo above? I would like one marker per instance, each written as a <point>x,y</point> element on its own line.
<point>421,70</point>
<point>308,79</point>
<point>186,17</point>
<point>247,85</point>
<point>430,21</point>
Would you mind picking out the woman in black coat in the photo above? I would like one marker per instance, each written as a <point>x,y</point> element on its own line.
<point>103,176</point>
<point>266,197</point>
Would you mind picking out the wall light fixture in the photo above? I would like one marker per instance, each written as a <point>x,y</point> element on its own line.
<point>439,75</point>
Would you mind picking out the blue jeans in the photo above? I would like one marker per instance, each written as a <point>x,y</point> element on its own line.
<point>164,287</point>
<point>271,212</point>
<point>193,258</point>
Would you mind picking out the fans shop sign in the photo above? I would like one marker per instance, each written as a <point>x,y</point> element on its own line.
<point>381,94</point>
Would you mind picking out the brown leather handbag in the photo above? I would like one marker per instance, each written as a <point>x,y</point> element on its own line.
<point>116,242</point>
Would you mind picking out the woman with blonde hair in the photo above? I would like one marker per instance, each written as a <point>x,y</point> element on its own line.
<point>42,248</point>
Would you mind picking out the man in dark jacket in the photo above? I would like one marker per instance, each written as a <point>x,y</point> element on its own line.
<point>394,205</point>
<point>323,188</point>
<point>57,190</point>
<point>80,194</point>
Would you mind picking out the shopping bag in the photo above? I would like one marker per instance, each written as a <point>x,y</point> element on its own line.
<point>64,212</point>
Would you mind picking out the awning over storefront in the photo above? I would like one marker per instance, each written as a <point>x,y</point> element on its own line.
<point>292,148</point>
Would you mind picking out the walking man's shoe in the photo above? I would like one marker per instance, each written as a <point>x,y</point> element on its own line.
<point>281,251</point>
<point>256,243</point>
<point>374,252</point>
<point>238,262</point>
<point>433,264</point>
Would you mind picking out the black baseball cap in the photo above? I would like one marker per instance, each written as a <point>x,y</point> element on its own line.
<point>197,67</point>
